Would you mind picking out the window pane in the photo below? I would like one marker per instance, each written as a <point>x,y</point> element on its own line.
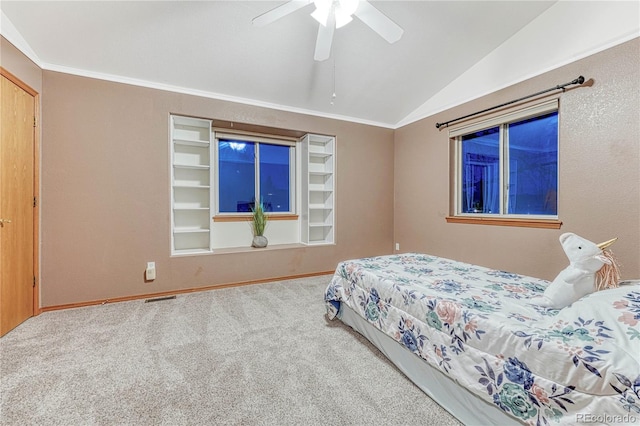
<point>274,177</point>
<point>236,176</point>
<point>533,166</point>
<point>481,172</point>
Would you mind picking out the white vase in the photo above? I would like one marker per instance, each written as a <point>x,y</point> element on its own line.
<point>259,241</point>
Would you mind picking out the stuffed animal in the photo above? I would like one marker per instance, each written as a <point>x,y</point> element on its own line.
<point>579,278</point>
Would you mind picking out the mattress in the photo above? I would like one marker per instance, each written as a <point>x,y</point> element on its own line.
<point>477,327</point>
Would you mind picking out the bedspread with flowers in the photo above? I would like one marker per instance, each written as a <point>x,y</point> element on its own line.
<point>580,364</point>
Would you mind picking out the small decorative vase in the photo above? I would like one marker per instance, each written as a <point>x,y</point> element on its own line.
<point>259,241</point>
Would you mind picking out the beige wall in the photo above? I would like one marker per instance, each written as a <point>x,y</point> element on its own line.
<point>599,194</point>
<point>105,184</point>
<point>105,193</point>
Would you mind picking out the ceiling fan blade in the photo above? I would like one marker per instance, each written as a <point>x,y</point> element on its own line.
<point>378,22</point>
<point>325,39</point>
<point>279,12</point>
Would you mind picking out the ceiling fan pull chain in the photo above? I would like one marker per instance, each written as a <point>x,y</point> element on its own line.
<point>333,96</point>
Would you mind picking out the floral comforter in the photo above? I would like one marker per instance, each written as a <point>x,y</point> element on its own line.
<point>580,364</point>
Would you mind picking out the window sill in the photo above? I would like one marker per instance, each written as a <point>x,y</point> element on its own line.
<point>502,221</point>
<point>247,217</point>
<point>247,249</point>
<point>230,250</point>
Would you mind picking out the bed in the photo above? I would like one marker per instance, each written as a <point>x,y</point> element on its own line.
<point>470,339</point>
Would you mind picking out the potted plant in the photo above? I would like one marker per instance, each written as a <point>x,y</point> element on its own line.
<point>258,225</point>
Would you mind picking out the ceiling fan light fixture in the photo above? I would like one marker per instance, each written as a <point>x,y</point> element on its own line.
<point>332,14</point>
<point>349,7</point>
<point>342,18</point>
<point>321,14</point>
<point>341,9</point>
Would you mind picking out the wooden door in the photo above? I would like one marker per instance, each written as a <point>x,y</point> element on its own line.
<point>17,204</point>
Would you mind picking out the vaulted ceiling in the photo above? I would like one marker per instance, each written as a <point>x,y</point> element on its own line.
<point>212,49</point>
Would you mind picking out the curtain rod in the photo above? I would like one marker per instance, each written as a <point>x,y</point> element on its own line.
<point>578,80</point>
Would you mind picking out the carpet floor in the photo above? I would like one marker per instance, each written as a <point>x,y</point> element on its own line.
<point>263,354</point>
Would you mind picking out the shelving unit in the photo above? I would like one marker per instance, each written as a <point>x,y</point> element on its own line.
<point>318,186</point>
<point>190,185</point>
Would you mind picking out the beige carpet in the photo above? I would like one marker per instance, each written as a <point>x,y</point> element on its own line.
<point>255,355</point>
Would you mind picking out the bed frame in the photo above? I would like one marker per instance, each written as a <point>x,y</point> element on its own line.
<point>457,400</point>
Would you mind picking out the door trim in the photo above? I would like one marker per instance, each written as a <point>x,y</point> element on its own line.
<point>36,184</point>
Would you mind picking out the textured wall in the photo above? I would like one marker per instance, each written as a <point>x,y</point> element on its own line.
<point>599,193</point>
<point>105,177</point>
<point>106,198</point>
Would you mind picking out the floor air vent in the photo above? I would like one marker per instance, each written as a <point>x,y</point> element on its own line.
<point>158,299</point>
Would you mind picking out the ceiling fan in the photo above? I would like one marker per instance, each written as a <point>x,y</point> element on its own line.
<point>332,14</point>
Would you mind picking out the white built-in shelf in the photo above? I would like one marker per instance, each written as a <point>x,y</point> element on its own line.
<point>319,224</point>
<point>185,252</point>
<point>318,186</point>
<point>175,207</point>
<point>191,166</point>
<point>319,154</point>
<point>197,143</point>
<point>189,230</point>
<point>187,185</point>
<point>191,156</point>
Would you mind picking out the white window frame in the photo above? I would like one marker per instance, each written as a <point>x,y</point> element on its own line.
<point>502,121</point>
<point>258,140</point>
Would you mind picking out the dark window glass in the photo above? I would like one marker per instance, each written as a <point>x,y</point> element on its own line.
<point>533,166</point>
<point>481,172</point>
<point>236,176</point>
<point>274,177</point>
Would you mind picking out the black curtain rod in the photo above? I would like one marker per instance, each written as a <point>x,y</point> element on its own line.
<point>578,80</point>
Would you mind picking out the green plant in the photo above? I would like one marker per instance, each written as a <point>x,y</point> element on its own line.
<point>259,220</point>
